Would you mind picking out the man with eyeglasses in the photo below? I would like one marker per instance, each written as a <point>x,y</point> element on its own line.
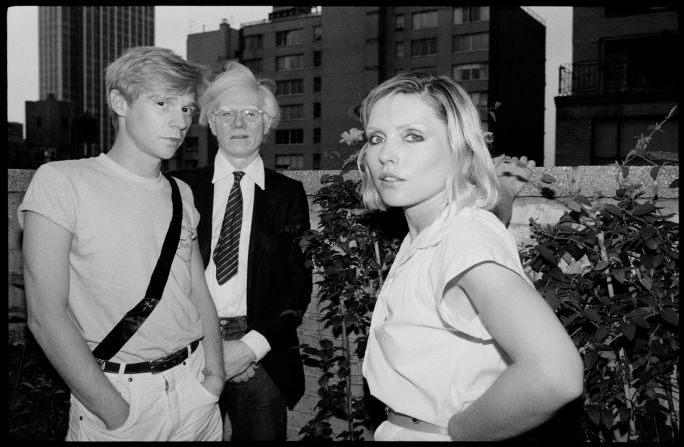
<point>251,217</point>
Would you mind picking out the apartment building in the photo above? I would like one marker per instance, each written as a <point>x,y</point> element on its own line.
<point>324,61</point>
<point>623,78</point>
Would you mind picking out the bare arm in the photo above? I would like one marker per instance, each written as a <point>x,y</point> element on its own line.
<point>213,349</point>
<point>513,174</point>
<point>546,370</point>
<point>46,248</point>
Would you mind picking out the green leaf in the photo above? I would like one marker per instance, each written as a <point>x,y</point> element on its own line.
<point>590,359</point>
<point>612,209</point>
<point>619,274</point>
<point>638,319</point>
<point>592,314</point>
<point>601,265</point>
<point>646,282</point>
<point>654,172</point>
<point>610,355</point>
<point>594,414</point>
<point>574,206</point>
<point>670,316</point>
<point>546,178</point>
<point>546,253</point>
<point>583,200</point>
<point>601,333</point>
<point>625,172</point>
<point>648,300</point>
<point>653,244</point>
<point>642,209</point>
<point>651,261</point>
<point>629,330</point>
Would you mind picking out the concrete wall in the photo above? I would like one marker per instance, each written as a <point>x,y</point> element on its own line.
<point>529,204</point>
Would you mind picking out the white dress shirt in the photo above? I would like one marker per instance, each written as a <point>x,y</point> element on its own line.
<point>230,298</point>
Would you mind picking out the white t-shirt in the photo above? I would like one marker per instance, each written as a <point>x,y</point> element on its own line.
<point>423,359</point>
<point>118,221</point>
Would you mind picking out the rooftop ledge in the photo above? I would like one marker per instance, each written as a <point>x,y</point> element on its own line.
<point>568,180</point>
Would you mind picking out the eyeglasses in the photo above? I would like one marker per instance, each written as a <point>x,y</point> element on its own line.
<point>250,116</point>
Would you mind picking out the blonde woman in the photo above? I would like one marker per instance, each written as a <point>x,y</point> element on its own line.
<point>461,346</point>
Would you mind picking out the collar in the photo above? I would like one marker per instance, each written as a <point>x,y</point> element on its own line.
<point>434,233</point>
<point>254,171</point>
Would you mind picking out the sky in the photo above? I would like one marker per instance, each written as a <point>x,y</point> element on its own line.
<point>174,23</point>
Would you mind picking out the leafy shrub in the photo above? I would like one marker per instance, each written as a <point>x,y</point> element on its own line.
<point>611,273</point>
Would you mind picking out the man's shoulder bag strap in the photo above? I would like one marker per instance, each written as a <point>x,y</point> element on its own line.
<point>130,323</point>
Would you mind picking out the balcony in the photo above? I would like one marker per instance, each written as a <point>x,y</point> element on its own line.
<point>595,77</point>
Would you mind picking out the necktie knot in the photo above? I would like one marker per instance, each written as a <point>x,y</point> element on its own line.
<point>238,175</point>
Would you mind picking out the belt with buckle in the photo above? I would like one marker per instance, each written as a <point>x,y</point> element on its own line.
<point>412,423</point>
<point>228,320</point>
<point>154,366</point>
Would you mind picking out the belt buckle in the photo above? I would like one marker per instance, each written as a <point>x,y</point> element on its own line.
<point>157,366</point>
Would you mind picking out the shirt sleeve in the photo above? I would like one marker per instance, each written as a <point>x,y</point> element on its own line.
<point>51,195</point>
<point>464,248</point>
<point>256,343</point>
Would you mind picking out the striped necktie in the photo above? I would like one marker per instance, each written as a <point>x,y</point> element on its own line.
<point>226,251</point>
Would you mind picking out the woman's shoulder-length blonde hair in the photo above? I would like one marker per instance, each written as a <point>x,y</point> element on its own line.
<point>472,180</point>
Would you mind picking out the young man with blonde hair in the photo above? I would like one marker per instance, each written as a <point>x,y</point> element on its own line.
<point>143,362</point>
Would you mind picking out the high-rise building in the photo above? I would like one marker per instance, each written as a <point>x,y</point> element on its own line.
<point>623,79</point>
<point>76,43</point>
<point>325,60</point>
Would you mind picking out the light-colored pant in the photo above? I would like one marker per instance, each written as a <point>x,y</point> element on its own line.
<point>169,406</point>
<point>388,431</point>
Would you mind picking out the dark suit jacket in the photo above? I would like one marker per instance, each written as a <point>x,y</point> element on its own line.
<point>278,282</point>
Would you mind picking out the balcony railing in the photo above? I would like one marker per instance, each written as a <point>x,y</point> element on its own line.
<point>598,77</point>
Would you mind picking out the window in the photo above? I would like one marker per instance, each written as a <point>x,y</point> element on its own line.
<point>290,136</point>
<point>292,112</point>
<point>290,87</point>
<point>256,65</point>
<point>317,59</point>
<point>471,42</point>
<point>317,32</point>
<point>317,84</point>
<point>291,62</point>
<point>479,99</point>
<point>469,14</point>
<point>317,161</point>
<point>399,22</point>
<point>290,37</point>
<point>398,50</point>
<point>289,161</point>
<point>317,110</point>
<point>316,135</point>
<point>255,42</point>
<point>471,72</point>
<point>423,47</point>
<point>613,138</point>
<point>426,19</point>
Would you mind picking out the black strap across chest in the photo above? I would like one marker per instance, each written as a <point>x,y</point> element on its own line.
<point>135,317</point>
